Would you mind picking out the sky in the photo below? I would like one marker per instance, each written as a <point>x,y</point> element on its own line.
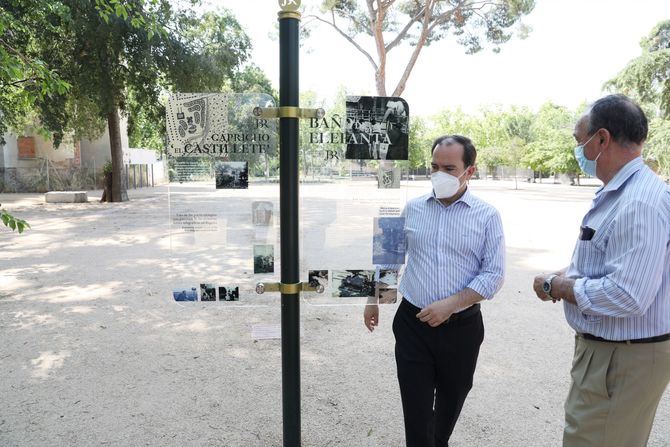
<point>574,47</point>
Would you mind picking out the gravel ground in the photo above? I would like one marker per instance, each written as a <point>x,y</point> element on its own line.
<point>97,353</point>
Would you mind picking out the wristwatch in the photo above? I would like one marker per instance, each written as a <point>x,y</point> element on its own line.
<point>546,287</point>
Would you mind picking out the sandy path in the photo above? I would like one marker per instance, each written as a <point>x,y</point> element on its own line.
<point>96,353</point>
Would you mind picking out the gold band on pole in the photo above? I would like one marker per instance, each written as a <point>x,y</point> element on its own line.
<point>289,15</point>
<point>288,112</point>
<point>290,289</point>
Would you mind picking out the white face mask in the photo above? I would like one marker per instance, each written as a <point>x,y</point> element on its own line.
<point>445,185</point>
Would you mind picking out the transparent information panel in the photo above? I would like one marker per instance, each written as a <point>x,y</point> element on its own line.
<point>223,198</point>
<point>355,185</point>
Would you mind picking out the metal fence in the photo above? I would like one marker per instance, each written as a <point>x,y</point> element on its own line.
<point>50,177</point>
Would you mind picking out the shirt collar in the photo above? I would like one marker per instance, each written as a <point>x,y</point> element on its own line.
<point>466,198</point>
<point>622,175</point>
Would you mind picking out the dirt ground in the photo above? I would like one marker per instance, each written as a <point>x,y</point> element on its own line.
<point>96,352</point>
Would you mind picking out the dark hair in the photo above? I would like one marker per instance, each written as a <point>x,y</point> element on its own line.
<point>622,118</point>
<point>469,151</point>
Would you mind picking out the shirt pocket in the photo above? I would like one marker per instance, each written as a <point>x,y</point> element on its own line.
<point>590,254</point>
<point>601,239</point>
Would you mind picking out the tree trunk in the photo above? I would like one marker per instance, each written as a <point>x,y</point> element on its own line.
<point>119,193</point>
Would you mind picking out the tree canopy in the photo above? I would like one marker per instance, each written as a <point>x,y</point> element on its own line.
<point>111,57</point>
<point>647,79</point>
<point>386,24</point>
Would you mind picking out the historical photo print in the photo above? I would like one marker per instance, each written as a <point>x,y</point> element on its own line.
<point>207,292</point>
<point>353,283</point>
<point>217,124</point>
<point>388,295</point>
<point>387,286</point>
<point>318,277</point>
<point>229,293</point>
<point>231,174</point>
<point>388,240</point>
<point>388,177</point>
<point>190,117</point>
<point>261,213</point>
<point>264,258</point>
<point>388,277</point>
<point>185,293</point>
<point>377,128</point>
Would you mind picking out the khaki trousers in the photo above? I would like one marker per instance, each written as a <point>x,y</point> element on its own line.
<point>616,388</point>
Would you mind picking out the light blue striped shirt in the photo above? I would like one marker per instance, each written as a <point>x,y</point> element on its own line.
<point>450,248</point>
<point>623,276</point>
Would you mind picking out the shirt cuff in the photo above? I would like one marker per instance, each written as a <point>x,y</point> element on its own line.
<point>480,287</point>
<point>582,299</point>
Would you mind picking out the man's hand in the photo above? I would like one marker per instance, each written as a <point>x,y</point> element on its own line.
<point>438,312</point>
<point>538,284</point>
<point>371,316</point>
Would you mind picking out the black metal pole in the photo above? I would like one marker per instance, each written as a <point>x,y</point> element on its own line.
<point>288,199</point>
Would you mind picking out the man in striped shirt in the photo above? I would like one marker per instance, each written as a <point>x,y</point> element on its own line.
<point>455,258</point>
<point>616,290</point>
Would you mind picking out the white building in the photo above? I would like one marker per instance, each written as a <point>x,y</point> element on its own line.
<point>30,163</point>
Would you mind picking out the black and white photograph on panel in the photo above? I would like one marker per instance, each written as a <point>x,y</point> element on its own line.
<point>231,174</point>
<point>261,213</point>
<point>264,258</point>
<point>388,240</point>
<point>377,128</point>
<point>207,292</point>
<point>318,277</point>
<point>353,283</point>
<point>388,277</point>
<point>388,177</point>
<point>388,295</point>
<point>229,293</point>
<point>387,286</point>
<point>185,293</point>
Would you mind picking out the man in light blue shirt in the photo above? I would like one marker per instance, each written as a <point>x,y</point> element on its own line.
<point>455,258</point>
<point>616,289</point>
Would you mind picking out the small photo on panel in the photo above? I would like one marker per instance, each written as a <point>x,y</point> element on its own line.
<point>353,283</point>
<point>264,258</point>
<point>261,213</point>
<point>388,178</point>
<point>185,293</point>
<point>229,293</point>
<point>388,277</point>
<point>207,292</point>
<point>231,175</point>
<point>388,295</point>
<point>388,241</point>
<point>318,277</point>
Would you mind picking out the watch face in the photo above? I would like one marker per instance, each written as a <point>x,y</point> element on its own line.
<point>546,287</point>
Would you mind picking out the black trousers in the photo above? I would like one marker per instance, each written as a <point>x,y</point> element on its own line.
<point>435,370</point>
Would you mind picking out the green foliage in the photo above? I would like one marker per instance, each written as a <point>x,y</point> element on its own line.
<point>112,55</point>
<point>107,167</point>
<point>212,51</point>
<point>514,136</point>
<point>25,77</point>
<point>419,144</point>
<point>12,222</point>
<point>647,80</point>
<point>552,144</point>
<point>647,77</point>
<point>657,146</point>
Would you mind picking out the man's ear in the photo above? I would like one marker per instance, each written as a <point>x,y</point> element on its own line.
<point>604,136</point>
